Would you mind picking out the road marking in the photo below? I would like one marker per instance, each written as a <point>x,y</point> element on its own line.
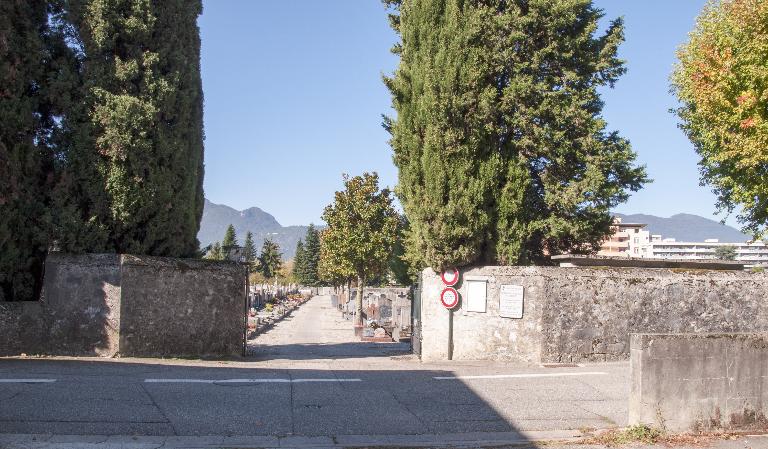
<point>520,376</point>
<point>27,381</point>
<point>242,381</point>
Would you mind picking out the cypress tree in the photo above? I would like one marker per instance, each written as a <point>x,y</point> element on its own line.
<point>502,154</point>
<point>24,159</point>
<point>134,172</point>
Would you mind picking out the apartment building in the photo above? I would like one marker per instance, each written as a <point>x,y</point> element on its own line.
<point>754,253</point>
<point>627,240</point>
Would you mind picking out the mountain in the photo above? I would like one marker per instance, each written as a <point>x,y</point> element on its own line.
<point>687,228</point>
<point>216,218</point>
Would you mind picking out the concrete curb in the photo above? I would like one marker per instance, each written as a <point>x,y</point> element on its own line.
<point>456,440</point>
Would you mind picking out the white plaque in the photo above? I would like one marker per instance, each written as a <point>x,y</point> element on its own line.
<point>511,301</point>
<point>476,295</point>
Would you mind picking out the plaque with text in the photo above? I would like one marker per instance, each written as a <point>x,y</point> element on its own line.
<point>511,301</point>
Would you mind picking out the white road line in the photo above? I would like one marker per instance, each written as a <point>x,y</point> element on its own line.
<point>242,381</point>
<point>27,381</point>
<point>521,376</point>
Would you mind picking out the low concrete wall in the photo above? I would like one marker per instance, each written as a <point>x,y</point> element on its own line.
<point>181,307</point>
<point>699,381</point>
<point>587,314</point>
<point>107,304</point>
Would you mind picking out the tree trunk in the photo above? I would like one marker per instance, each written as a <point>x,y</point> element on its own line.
<point>359,300</point>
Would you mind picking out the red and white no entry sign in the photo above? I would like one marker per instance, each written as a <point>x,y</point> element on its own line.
<point>450,277</point>
<point>449,297</point>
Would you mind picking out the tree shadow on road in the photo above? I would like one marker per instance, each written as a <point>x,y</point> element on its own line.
<point>309,351</point>
<point>99,397</point>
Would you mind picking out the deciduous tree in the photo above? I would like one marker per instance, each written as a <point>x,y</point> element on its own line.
<point>726,252</point>
<point>502,153</point>
<point>722,82</point>
<point>362,228</point>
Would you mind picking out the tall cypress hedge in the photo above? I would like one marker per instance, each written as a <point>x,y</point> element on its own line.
<point>502,153</point>
<point>25,156</point>
<point>133,180</point>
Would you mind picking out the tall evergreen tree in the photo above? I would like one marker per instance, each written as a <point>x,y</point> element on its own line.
<point>230,238</point>
<point>23,237</point>
<point>502,154</point>
<point>37,76</point>
<point>135,168</point>
<point>270,259</point>
<point>311,256</point>
<point>249,248</point>
<point>299,264</point>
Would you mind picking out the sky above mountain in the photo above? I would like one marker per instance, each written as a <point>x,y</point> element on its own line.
<point>293,99</point>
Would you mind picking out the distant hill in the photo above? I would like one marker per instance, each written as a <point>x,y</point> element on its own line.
<point>687,227</point>
<point>216,218</point>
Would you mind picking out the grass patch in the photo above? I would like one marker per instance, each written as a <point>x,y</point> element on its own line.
<point>619,437</point>
<point>643,434</point>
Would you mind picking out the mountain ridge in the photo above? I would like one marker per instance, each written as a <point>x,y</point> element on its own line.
<point>216,218</point>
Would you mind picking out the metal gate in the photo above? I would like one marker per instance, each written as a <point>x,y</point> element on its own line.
<point>416,318</point>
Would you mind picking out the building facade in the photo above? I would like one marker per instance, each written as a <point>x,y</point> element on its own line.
<point>633,240</point>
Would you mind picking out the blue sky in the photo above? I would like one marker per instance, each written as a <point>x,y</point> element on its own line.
<point>293,99</point>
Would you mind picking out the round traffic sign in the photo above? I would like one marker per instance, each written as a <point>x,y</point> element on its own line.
<point>449,297</point>
<point>450,277</point>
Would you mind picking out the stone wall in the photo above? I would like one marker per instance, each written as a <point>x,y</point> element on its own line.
<point>107,304</point>
<point>588,313</point>
<point>699,381</point>
<point>181,307</point>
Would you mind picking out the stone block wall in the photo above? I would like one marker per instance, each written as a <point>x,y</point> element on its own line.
<point>181,307</point>
<point>108,304</point>
<point>587,313</point>
<point>699,381</point>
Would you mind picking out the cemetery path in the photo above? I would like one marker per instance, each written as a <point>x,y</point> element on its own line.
<point>317,331</point>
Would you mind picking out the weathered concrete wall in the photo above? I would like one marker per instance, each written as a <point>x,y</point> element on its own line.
<point>181,307</point>
<point>106,304</point>
<point>482,335</point>
<point>79,312</point>
<point>699,381</point>
<point>583,314</point>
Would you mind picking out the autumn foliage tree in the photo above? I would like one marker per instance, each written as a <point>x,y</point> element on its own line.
<point>361,231</point>
<point>722,82</point>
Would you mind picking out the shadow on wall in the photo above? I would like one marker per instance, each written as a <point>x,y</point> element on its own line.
<point>265,402</point>
<point>78,312</point>
<point>105,304</point>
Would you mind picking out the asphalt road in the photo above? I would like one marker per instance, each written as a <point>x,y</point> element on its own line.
<point>306,377</point>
